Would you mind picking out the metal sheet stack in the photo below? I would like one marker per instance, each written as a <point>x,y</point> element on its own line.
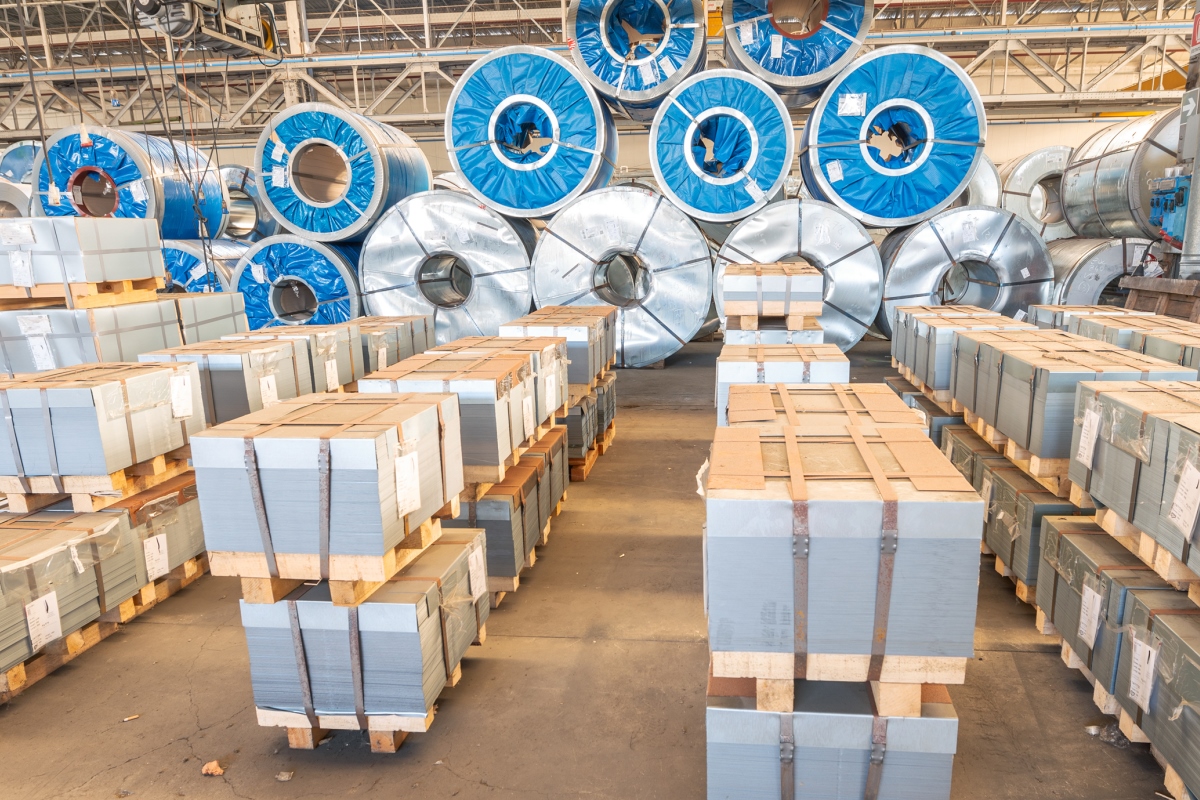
<point>1064,317</point>
<point>1016,504</point>
<point>386,340</point>
<point>777,363</point>
<point>329,356</point>
<point>772,303</point>
<point>546,390</point>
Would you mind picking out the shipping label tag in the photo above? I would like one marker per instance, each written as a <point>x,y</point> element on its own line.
<point>197,272</point>
<point>331,375</point>
<point>668,69</point>
<point>1020,315</point>
<point>1187,500</point>
<point>279,177</point>
<point>41,353</point>
<point>21,264</point>
<point>17,233</point>
<point>1089,616</point>
<point>754,190</point>
<point>1141,673</point>
<point>408,484</point>
<point>552,392</point>
<point>1089,432</point>
<point>985,492</point>
<point>647,73</point>
<point>157,563</point>
<point>270,393</point>
<point>834,170</point>
<point>33,324</point>
<point>258,272</point>
<point>1025,272</point>
<point>45,625</point>
<point>746,33</point>
<point>776,46</point>
<point>851,104</point>
<point>181,395</point>
<point>477,573</point>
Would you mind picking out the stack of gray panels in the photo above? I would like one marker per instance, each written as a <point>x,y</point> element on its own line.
<point>475,540</point>
<point>771,364</point>
<point>1178,348</point>
<point>1064,317</point>
<point>395,338</point>
<point>510,516</point>
<point>209,316</point>
<point>582,427</point>
<point>937,419</point>
<point>237,377</point>
<point>587,339</point>
<point>333,352</point>
<point>931,352</point>
<point>965,449</point>
<point>52,252</point>
<point>1125,331</point>
<point>49,338</point>
<point>904,327</point>
<point>606,401</point>
<point>975,364</point>
<point>1175,524</point>
<point>552,450</point>
<point>1016,505</point>
<point>167,518</point>
<point>830,747</point>
<point>770,332</point>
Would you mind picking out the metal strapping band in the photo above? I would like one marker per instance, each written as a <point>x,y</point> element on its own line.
<point>98,568</point>
<point>879,726</point>
<point>787,293</point>
<point>801,541</point>
<point>323,520</point>
<point>760,360</point>
<point>11,431</point>
<point>787,758</point>
<point>356,668</point>
<point>445,637</point>
<point>260,508</point>
<point>301,663</point>
<point>51,452</point>
<point>126,413</point>
<point>758,288</point>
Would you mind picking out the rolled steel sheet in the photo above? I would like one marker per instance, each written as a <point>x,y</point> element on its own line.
<point>503,103</point>
<point>103,172</point>
<point>449,180</point>
<point>1106,185</point>
<point>1086,270</point>
<point>191,267</point>
<point>1031,188</point>
<point>975,255</point>
<point>329,174</point>
<point>826,237</point>
<point>15,199</point>
<point>634,52</point>
<point>288,280</point>
<point>631,248</point>
<point>797,57</point>
<point>441,253</point>
<point>524,228</point>
<point>984,188</point>
<point>249,217</point>
<point>721,145</point>
<point>891,150</point>
<point>16,161</point>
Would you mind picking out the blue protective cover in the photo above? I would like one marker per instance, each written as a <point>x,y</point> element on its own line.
<point>551,81</point>
<point>289,258</point>
<point>731,142</point>
<point>16,164</point>
<point>799,56</point>
<point>957,136</point>
<point>180,265</point>
<point>406,171</point>
<point>110,152</point>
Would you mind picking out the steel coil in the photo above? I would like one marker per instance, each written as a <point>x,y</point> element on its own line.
<point>1086,271</point>
<point>628,247</point>
<point>441,253</point>
<point>1106,185</point>
<point>634,52</point>
<point>984,188</point>
<point>191,267</point>
<point>287,280</point>
<point>16,161</point>
<point>797,57</point>
<point>501,105</point>
<point>249,217</point>
<point>448,180</point>
<point>329,174</point>
<point>721,145</point>
<point>895,138</point>
<point>1032,189</point>
<point>15,199</point>
<point>825,237</point>
<point>103,172</point>
<point>975,255</point>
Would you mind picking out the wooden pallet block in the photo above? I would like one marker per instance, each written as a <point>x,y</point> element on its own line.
<point>1174,784</point>
<point>1151,553</point>
<point>606,440</point>
<point>1050,473</point>
<point>735,321</point>
<point>1080,498</point>
<point>984,549</point>
<point>847,668</point>
<point>82,295</point>
<point>939,397</point>
<point>544,539</point>
<point>499,587</point>
<point>1043,624</point>
<point>1025,592</point>
<point>582,467</point>
<point>95,492</point>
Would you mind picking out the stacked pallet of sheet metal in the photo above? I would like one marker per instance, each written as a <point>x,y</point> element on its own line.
<point>1016,504</point>
<point>1126,330</point>
<point>333,353</point>
<point>937,417</point>
<point>386,340</point>
<point>904,331</point>
<point>166,521</point>
<point>608,315</point>
<point>969,454</point>
<point>823,406</point>
<point>1064,317</point>
<point>776,301</point>
<point>930,355</point>
<point>777,363</point>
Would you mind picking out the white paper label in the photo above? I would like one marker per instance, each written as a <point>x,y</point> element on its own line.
<point>198,272</point>
<point>45,625</point>
<point>257,272</point>
<point>1089,431</point>
<point>21,264</point>
<point>527,410</point>
<point>279,177</point>
<point>181,395</point>
<point>270,393</point>
<point>1020,315</point>
<point>279,152</point>
<point>668,69</point>
<point>746,33</point>
<point>834,170</point>
<point>14,233</point>
<point>408,484</point>
<point>1187,500</point>
<point>986,493</point>
<point>76,560</point>
<point>1141,673</point>
<point>157,563</point>
<point>331,375</point>
<point>39,350</point>
<point>776,46</point>
<point>32,324</point>
<point>1024,272</point>
<point>647,73</point>
<point>137,190</point>
<point>552,393</point>
<point>477,572</point>
<point>381,359</point>
<point>969,233</point>
<point>1089,616</point>
<point>612,229</point>
<point>851,104</point>
<point>1152,270</point>
<point>754,189</point>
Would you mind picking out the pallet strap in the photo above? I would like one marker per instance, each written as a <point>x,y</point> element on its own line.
<point>758,289</point>
<point>879,728</point>
<point>356,668</point>
<point>760,359</point>
<point>98,568</point>
<point>787,758</point>
<point>51,452</point>
<point>323,521</point>
<point>301,663</point>
<point>801,541</point>
<point>260,508</point>
<point>11,431</point>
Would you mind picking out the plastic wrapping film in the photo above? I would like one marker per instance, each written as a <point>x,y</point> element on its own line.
<point>442,254</point>
<point>721,145</point>
<point>249,217</point>
<point>287,280</point>
<point>16,161</point>
<point>634,52</point>
<point>329,174</point>
<point>501,104</point>
<point>630,248</point>
<point>153,178</point>
<point>94,539</point>
<point>984,188</point>
<point>828,239</point>
<point>916,104</point>
<point>973,255</point>
<point>267,373</point>
<point>1085,269</point>
<point>798,65</point>
<point>1032,189</point>
<point>198,266</point>
<point>15,199</point>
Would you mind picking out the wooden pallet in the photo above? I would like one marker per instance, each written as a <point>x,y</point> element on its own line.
<point>1168,297</point>
<point>940,397</point>
<point>851,668</point>
<point>1051,473</point>
<point>753,322</point>
<point>1025,592</point>
<point>95,492</point>
<point>604,441</point>
<point>81,295</point>
<point>499,587</point>
<point>1105,701</point>
<point>480,473</point>
<point>19,678</point>
<point>1174,783</point>
<point>1151,553</point>
<point>581,468</point>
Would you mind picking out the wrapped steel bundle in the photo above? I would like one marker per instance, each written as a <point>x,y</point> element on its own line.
<point>510,516</point>
<point>796,363</point>
<point>549,456</point>
<point>45,256</point>
<point>1106,185</point>
<point>628,248</point>
<point>16,161</point>
<point>1087,271</point>
<point>287,280</point>
<point>809,333</point>
<point>826,238</point>
<point>442,254</point>
<point>936,418</point>
<point>772,290</point>
<point>634,53</point>
<point>606,401</point>
<point>328,356</point>
<point>933,350</point>
<point>1016,504</point>
<point>862,576</point>
<point>903,322</point>
<point>1032,189</point>
<point>827,406</point>
<point>984,188</point>
<point>891,149</point>
<point>798,60</point>
<point>1066,317</point>
<point>502,103</point>
<point>328,174</point>
<point>386,340</point>
<point>547,363</point>
<point>984,257</point>
<point>107,172</point>
<point>582,426</point>
<point>249,217</point>
<point>201,266</point>
<point>832,747</point>
<point>204,317</point>
<point>15,200</point>
<point>604,314</point>
<point>749,155</point>
<point>94,420</point>
<point>1128,330</point>
<point>338,481</point>
<point>964,448</point>
<point>585,335</point>
<point>166,521</point>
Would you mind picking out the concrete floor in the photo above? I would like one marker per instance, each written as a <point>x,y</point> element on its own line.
<point>591,682</point>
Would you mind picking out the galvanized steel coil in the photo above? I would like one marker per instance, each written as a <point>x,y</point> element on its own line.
<point>192,267</point>
<point>984,188</point>
<point>1086,270</point>
<point>15,199</point>
<point>289,280</point>
<point>1031,188</point>
<point>249,217</point>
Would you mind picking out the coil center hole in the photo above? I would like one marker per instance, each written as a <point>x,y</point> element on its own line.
<point>721,145</point>
<point>622,279</point>
<point>320,173</point>
<point>524,132</point>
<point>797,19</point>
<point>293,301</point>
<point>445,280</point>
<point>243,215</point>
<point>1045,199</point>
<point>969,282</point>
<point>93,192</point>
<point>636,28</point>
<point>9,211</point>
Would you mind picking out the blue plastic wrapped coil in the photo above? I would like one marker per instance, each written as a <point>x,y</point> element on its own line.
<point>192,268</point>
<point>328,174</point>
<point>151,178</point>
<point>249,218</point>
<point>501,104</point>
<point>926,126</point>
<point>287,280</point>
<point>634,52</point>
